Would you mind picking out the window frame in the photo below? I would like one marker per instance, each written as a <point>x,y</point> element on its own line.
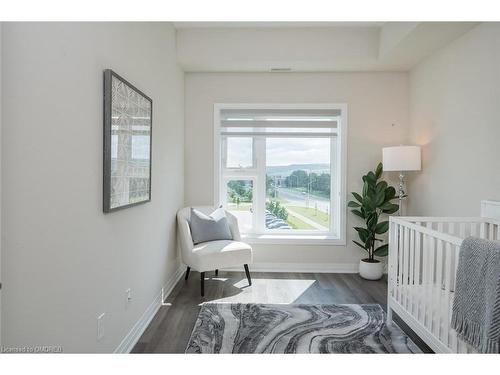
<point>338,161</point>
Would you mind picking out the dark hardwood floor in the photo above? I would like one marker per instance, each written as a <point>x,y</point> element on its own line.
<point>171,328</point>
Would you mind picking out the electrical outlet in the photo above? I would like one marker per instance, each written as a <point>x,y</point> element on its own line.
<point>128,292</point>
<point>100,326</point>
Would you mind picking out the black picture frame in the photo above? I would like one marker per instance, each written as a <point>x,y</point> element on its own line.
<point>109,172</point>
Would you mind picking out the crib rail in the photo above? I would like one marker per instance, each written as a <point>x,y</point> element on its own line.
<point>459,226</point>
<point>422,264</point>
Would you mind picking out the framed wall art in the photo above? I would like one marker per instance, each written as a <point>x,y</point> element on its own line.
<point>128,116</point>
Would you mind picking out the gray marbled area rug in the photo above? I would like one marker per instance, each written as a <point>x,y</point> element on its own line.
<point>268,328</point>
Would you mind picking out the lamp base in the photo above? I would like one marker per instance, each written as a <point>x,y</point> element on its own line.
<point>401,192</point>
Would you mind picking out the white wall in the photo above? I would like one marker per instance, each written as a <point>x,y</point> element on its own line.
<point>455,97</point>
<point>378,116</point>
<point>64,261</point>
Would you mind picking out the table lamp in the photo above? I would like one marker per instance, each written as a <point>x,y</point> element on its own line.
<point>401,159</point>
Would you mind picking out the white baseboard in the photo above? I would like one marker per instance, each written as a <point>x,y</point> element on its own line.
<point>140,326</point>
<point>301,267</point>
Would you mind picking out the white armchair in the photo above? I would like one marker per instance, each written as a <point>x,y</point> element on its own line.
<point>212,255</point>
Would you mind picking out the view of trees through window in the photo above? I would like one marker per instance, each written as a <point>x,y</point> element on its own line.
<point>300,201</point>
<point>240,202</point>
<point>298,183</point>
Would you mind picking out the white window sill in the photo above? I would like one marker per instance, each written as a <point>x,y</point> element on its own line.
<point>293,239</point>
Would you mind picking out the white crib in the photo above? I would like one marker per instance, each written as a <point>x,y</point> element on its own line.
<point>423,259</point>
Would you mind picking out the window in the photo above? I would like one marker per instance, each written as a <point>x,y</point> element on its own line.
<point>298,183</point>
<point>280,169</point>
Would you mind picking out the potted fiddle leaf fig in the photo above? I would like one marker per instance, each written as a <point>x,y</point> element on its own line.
<point>372,205</point>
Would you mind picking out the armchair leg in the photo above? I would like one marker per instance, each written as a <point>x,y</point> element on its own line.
<point>216,272</point>
<point>187,273</point>
<point>202,280</point>
<point>248,274</point>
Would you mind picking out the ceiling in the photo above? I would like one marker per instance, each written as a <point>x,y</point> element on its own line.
<point>311,46</point>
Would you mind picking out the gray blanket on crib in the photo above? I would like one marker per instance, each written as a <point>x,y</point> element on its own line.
<point>476,307</point>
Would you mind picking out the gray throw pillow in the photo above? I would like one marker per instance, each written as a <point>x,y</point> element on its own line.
<point>209,228</point>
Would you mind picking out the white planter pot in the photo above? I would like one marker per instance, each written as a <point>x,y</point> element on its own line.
<point>371,271</point>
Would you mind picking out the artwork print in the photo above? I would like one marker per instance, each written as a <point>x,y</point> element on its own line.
<point>127,144</point>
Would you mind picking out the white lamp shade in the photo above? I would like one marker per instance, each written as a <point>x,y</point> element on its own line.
<point>401,158</point>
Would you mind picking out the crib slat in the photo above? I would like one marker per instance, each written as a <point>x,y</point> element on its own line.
<point>405,267</point>
<point>473,229</point>
<point>462,230</point>
<point>457,253</point>
<point>393,250</point>
<point>417,276</point>
<point>400,264</point>
<point>411,287</point>
<point>425,278</point>
<point>437,289</point>
<point>430,282</point>
<point>482,230</point>
<point>439,276</point>
<point>447,296</point>
<point>454,266</point>
<point>389,262</point>
<point>451,228</point>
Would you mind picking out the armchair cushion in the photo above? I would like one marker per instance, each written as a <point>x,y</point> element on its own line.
<point>211,227</point>
<point>221,254</point>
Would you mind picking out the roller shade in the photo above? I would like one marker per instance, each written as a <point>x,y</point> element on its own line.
<point>279,122</point>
